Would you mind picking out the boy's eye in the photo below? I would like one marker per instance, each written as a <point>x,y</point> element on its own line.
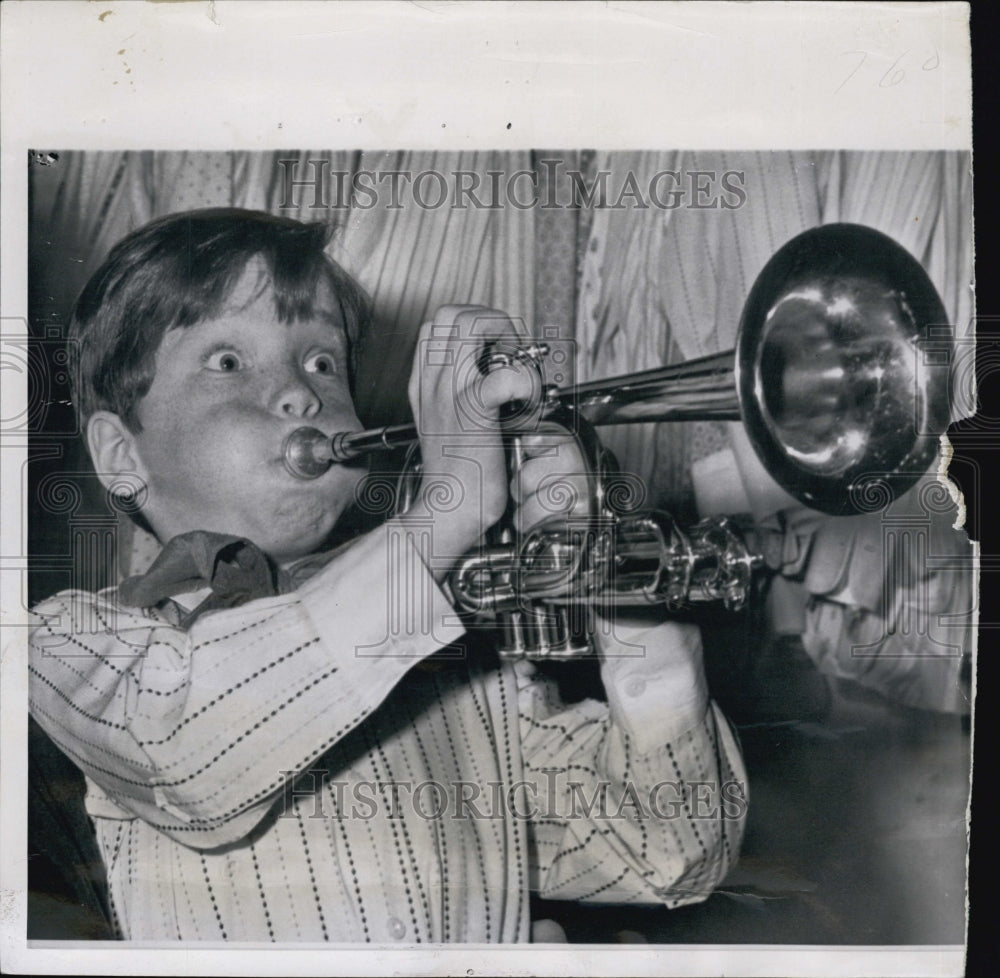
<point>320,363</point>
<point>224,361</point>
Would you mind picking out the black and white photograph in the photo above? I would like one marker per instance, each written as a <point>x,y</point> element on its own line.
<point>463,543</point>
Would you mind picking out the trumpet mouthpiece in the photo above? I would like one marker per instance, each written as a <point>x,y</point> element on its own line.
<point>307,453</point>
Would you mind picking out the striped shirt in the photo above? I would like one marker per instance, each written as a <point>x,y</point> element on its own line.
<point>281,771</point>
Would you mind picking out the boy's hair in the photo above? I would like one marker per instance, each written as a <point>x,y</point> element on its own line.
<point>180,270</point>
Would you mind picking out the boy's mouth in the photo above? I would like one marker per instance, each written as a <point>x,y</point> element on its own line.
<point>307,453</point>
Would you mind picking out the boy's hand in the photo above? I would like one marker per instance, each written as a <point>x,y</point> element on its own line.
<point>457,408</point>
<point>552,482</point>
<point>653,672</point>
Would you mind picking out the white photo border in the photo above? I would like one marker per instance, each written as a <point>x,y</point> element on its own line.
<point>114,75</point>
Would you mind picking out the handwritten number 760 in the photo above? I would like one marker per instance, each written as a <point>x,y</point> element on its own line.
<point>894,74</point>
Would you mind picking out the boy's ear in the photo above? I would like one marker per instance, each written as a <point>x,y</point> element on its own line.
<point>113,449</point>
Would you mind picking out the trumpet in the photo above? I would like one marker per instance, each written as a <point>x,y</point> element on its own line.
<point>840,376</point>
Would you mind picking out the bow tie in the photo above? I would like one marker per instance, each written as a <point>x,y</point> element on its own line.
<point>235,569</point>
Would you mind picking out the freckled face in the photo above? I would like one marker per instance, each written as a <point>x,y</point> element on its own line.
<point>225,395</point>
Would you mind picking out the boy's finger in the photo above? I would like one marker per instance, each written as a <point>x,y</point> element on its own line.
<point>671,645</point>
<point>447,315</point>
<point>517,382</point>
<point>537,473</point>
<point>481,323</point>
<point>548,439</point>
<point>561,491</point>
<point>429,358</point>
<point>559,501</point>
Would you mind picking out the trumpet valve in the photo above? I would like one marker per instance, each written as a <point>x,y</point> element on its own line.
<point>533,354</point>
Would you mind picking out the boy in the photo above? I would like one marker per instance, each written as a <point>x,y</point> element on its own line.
<point>267,754</point>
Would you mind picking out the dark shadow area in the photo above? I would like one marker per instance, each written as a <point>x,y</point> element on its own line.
<point>855,835</point>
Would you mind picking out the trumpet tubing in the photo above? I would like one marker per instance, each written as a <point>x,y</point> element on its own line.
<point>840,376</point>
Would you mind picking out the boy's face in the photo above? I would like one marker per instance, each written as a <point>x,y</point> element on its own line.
<point>226,393</point>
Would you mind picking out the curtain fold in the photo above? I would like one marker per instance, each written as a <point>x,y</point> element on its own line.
<point>80,205</point>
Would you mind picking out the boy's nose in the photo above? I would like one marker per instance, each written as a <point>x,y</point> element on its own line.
<point>296,399</point>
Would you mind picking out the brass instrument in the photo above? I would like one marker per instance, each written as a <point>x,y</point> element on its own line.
<point>840,376</point>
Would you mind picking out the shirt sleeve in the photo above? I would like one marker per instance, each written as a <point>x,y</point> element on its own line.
<point>197,731</point>
<point>639,800</point>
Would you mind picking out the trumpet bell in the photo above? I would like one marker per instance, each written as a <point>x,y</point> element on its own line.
<point>842,368</point>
